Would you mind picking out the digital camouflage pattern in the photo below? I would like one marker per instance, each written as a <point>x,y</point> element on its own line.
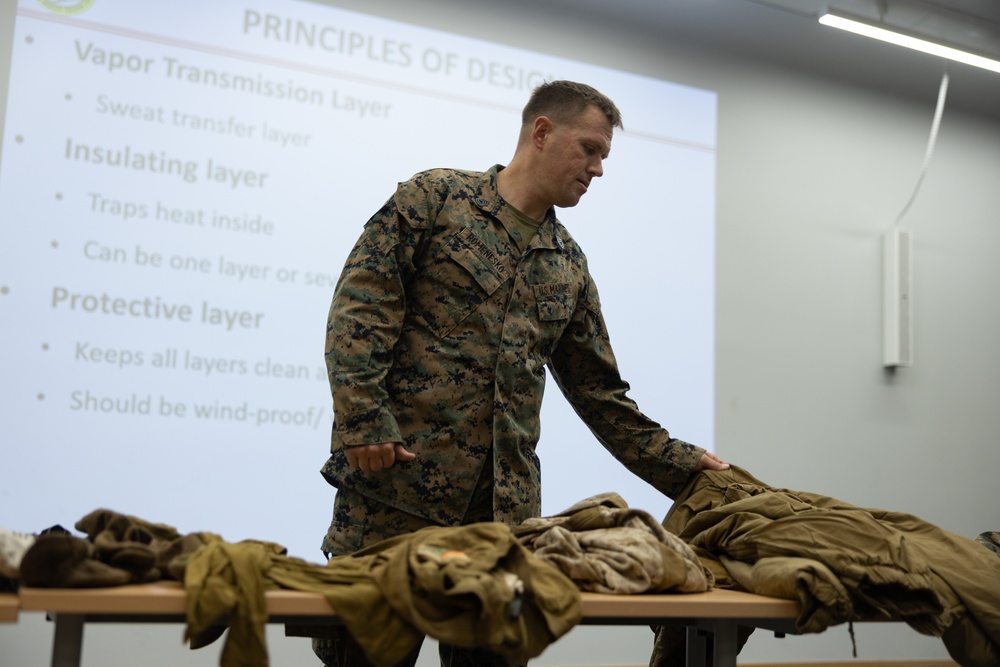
<point>439,333</point>
<point>360,522</point>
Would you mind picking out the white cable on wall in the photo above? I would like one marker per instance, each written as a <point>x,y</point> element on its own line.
<point>942,93</point>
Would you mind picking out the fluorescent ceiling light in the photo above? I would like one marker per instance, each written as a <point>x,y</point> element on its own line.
<point>894,36</point>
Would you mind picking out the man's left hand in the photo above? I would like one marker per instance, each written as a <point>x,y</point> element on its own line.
<point>710,461</point>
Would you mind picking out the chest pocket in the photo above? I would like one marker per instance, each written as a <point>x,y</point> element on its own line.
<point>456,282</point>
<point>554,302</point>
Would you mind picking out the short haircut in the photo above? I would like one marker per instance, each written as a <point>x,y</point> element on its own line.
<point>565,101</point>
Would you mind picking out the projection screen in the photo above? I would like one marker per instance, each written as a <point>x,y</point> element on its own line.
<point>180,184</point>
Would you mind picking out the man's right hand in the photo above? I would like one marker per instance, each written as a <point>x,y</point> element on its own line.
<point>372,458</point>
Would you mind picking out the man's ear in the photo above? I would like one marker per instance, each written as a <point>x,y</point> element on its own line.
<point>540,131</point>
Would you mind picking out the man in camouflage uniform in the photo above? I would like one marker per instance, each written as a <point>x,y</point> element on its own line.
<point>459,293</point>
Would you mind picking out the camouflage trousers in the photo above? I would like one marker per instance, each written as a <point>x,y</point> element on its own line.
<point>359,522</point>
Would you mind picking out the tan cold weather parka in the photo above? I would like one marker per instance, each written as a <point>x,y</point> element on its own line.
<point>843,563</point>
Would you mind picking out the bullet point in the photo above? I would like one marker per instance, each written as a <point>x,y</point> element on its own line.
<point>45,346</point>
<point>19,139</point>
<point>41,397</point>
<point>4,290</point>
<point>69,97</point>
<point>29,39</point>
<point>59,196</point>
<point>55,244</point>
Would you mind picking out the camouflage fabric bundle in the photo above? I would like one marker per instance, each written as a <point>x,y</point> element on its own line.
<point>605,546</point>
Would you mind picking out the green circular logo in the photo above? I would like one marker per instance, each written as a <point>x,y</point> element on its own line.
<point>66,6</point>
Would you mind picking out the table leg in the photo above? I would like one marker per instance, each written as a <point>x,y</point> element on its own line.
<point>725,643</point>
<point>695,655</point>
<point>68,641</point>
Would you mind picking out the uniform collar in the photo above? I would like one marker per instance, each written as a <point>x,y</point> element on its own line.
<point>489,200</point>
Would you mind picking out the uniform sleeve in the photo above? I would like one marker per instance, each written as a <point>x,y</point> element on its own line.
<point>366,316</point>
<point>584,366</point>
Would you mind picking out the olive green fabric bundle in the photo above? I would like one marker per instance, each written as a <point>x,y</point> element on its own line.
<point>470,586</point>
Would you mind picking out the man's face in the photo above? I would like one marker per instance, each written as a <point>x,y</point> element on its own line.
<point>573,155</point>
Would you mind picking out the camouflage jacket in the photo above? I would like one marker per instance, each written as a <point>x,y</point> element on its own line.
<point>439,334</point>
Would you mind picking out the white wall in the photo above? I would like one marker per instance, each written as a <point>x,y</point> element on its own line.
<point>810,174</point>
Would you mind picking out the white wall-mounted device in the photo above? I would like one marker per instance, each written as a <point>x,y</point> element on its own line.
<point>897,298</point>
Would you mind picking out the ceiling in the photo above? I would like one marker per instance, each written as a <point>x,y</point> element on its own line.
<point>787,33</point>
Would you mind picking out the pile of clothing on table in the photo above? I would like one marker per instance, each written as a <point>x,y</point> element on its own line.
<point>513,591</point>
<point>517,590</point>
